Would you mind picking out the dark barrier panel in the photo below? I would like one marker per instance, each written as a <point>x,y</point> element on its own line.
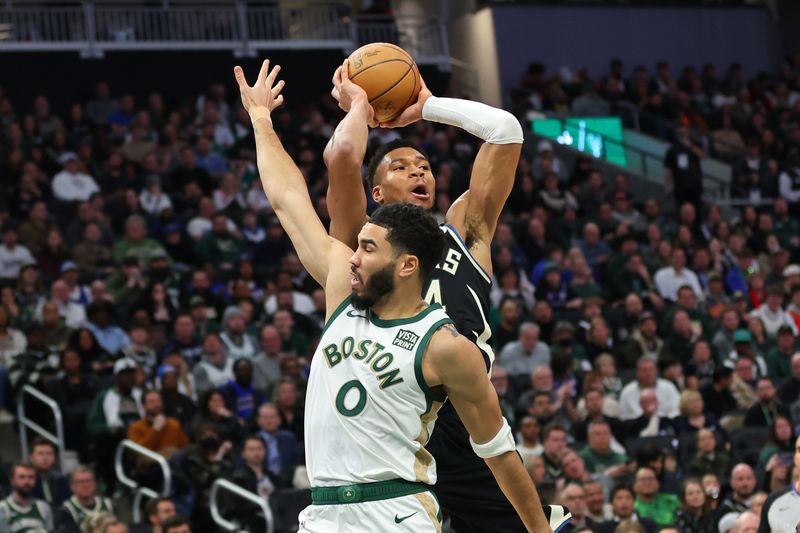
<point>589,36</point>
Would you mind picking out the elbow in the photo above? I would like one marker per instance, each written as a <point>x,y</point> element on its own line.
<point>507,130</point>
<point>342,154</point>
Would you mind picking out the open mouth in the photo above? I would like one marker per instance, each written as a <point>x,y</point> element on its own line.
<point>420,192</point>
<point>354,280</point>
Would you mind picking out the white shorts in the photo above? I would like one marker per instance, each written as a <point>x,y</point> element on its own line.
<point>417,513</point>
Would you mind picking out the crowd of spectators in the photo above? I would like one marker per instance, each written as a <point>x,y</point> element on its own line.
<point>646,355</point>
<point>753,124</point>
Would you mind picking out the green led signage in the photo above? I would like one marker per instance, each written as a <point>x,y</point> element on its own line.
<point>601,137</point>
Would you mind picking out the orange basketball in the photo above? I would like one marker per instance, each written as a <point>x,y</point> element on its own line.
<point>389,76</point>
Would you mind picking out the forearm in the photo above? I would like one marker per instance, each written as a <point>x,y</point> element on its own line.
<point>518,487</point>
<point>280,176</point>
<point>344,155</point>
<point>349,141</point>
<point>495,166</point>
<point>286,190</point>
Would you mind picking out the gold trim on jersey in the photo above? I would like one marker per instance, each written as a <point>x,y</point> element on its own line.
<point>423,458</point>
<point>429,504</point>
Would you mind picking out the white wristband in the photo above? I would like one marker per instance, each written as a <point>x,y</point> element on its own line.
<point>493,125</point>
<point>501,443</point>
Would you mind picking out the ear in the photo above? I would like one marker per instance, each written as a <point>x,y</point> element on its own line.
<point>407,265</point>
<point>377,194</point>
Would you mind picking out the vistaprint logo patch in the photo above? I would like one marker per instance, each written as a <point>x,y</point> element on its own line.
<point>406,339</point>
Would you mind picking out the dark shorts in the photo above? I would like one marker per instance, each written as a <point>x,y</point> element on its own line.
<point>465,487</point>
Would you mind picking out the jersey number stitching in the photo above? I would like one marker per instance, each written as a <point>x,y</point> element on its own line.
<point>360,404</point>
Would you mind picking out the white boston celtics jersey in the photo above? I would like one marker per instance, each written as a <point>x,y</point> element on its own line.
<point>368,411</point>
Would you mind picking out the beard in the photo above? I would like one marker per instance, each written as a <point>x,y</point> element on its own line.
<point>24,492</point>
<point>379,285</point>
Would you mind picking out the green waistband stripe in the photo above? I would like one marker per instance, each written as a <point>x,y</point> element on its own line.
<point>365,492</point>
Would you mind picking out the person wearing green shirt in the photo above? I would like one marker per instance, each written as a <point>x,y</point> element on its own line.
<point>219,246</point>
<point>20,512</point>
<point>135,243</point>
<point>650,503</point>
<point>787,228</point>
<point>779,358</point>
<point>687,301</point>
<point>598,455</point>
<point>292,340</point>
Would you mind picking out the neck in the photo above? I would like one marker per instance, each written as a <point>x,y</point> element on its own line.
<point>402,302</point>
<point>255,468</point>
<point>20,500</point>
<point>647,498</point>
<point>86,502</point>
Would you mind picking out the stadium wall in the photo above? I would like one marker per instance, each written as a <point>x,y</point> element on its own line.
<point>589,36</point>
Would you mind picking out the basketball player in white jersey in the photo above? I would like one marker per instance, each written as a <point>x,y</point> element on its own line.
<point>400,172</point>
<point>385,361</point>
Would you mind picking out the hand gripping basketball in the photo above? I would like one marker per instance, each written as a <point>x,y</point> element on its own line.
<point>348,93</point>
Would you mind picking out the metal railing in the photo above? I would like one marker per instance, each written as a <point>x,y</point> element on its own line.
<point>139,491</point>
<point>422,37</point>
<point>93,28</point>
<point>224,484</point>
<point>26,423</point>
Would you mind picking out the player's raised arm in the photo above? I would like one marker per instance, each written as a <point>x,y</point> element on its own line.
<point>494,168</point>
<point>344,155</point>
<point>323,257</point>
<point>454,362</point>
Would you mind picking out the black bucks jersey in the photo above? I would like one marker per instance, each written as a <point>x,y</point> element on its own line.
<point>462,287</point>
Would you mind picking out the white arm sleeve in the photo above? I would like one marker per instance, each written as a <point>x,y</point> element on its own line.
<point>501,443</point>
<point>493,125</point>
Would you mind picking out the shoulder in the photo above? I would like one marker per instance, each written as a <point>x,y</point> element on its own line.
<point>286,435</point>
<point>511,348</point>
<point>448,349</point>
<point>43,507</point>
<point>174,424</point>
<point>666,385</point>
<point>772,498</point>
<point>446,340</point>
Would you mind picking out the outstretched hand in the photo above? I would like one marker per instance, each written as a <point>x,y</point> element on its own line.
<point>413,112</point>
<point>260,99</point>
<point>348,93</point>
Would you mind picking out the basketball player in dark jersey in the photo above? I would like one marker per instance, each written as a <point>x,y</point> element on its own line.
<point>400,172</point>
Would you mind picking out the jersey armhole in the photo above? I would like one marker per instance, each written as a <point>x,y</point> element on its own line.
<point>431,395</point>
<point>463,245</point>
<point>336,312</point>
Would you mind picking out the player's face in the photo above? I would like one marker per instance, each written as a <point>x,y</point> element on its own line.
<point>372,266</point>
<point>405,177</point>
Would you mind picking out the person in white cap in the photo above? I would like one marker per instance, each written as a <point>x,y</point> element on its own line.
<point>791,276</point>
<point>72,185</point>
<point>112,412</point>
